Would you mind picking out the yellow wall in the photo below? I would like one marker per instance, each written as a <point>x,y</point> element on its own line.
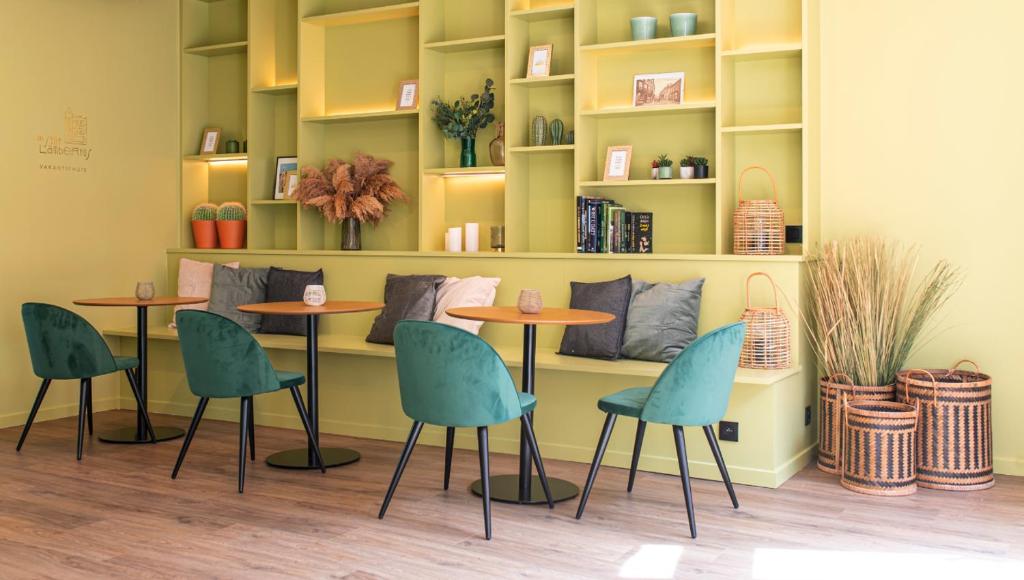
<point>922,131</point>
<point>67,233</point>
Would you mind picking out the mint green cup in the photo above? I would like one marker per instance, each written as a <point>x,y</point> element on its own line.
<point>683,23</point>
<point>644,27</point>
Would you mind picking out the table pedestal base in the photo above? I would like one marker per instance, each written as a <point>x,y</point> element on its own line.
<point>129,435</point>
<point>299,458</point>
<point>505,488</point>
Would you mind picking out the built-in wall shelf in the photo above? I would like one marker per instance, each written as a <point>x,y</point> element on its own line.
<point>365,16</point>
<point>467,44</point>
<point>281,89</point>
<point>363,116</point>
<point>545,13</point>
<point>273,202</point>
<point>215,157</point>
<point>464,171</point>
<point>773,128</point>
<point>651,110</point>
<point>219,49</point>
<point>564,79</point>
<point>764,51</point>
<point>673,42</point>
<point>648,183</point>
<point>542,148</point>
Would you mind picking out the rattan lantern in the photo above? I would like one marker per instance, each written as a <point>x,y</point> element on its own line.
<point>758,225</point>
<point>767,343</point>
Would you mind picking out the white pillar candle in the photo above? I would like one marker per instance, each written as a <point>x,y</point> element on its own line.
<point>454,239</point>
<point>472,237</point>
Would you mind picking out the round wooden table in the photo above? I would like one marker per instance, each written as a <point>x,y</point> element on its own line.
<point>137,434</point>
<point>524,488</point>
<point>304,458</point>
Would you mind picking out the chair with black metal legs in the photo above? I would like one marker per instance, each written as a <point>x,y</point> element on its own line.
<point>453,378</point>
<point>692,391</point>
<point>224,361</point>
<point>63,345</point>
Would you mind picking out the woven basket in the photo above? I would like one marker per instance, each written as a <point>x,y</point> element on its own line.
<point>878,447</point>
<point>767,342</point>
<point>758,226</point>
<point>955,451</point>
<point>830,413</point>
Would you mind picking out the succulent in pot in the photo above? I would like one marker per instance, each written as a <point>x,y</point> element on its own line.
<point>654,169</point>
<point>700,167</point>
<point>231,220</point>
<point>204,226</point>
<point>686,170</point>
<point>664,167</point>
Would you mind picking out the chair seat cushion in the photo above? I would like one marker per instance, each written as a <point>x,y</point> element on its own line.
<point>290,379</point>
<point>527,401</point>
<point>125,362</point>
<point>628,402</point>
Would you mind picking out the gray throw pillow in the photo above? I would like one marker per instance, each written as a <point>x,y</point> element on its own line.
<point>662,319</point>
<point>288,286</point>
<point>599,340</point>
<point>233,287</point>
<point>405,298</point>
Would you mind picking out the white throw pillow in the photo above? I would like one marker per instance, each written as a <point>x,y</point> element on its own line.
<point>459,292</point>
<point>196,279</point>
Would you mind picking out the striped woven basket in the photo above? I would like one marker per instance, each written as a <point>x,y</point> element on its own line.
<point>955,432</point>
<point>758,225</point>
<point>878,447</point>
<point>830,413</point>
<point>767,342</point>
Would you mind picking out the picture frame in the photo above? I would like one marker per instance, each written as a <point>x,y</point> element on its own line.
<point>617,161</point>
<point>659,89</point>
<point>210,141</point>
<point>408,95</point>
<point>281,179</point>
<point>292,183</point>
<point>538,64</point>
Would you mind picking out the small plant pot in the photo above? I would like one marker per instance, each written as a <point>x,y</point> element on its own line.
<point>665,172</point>
<point>643,27</point>
<point>204,233</point>
<point>700,172</point>
<point>654,173</point>
<point>231,233</point>
<point>686,172</point>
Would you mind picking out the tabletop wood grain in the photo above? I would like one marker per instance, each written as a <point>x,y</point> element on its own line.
<point>512,315</point>
<point>300,309</point>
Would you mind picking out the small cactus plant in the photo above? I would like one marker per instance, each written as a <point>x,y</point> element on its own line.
<point>204,212</point>
<point>664,161</point>
<point>231,211</point>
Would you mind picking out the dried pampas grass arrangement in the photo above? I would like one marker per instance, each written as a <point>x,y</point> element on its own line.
<point>362,190</point>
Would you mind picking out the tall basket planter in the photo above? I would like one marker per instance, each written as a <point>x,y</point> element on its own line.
<point>831,393</point>
<point>758,225</point>
<point>878,447</point>
<point>767,342</point>
<point>955,432</point>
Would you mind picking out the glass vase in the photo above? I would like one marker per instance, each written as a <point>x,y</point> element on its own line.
<point>468,156</point>
<point>351,234</point>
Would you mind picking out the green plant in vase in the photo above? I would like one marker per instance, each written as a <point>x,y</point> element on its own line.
<point>664,167</point>
<point>462,118</point>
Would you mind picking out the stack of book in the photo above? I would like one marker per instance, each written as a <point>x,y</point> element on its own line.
<point>603,227</point>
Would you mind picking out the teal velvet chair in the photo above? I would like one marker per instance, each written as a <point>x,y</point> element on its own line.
<point>692,391</point>
<point>224,361</point>
<point>452,378</point>
<point>63,345</point>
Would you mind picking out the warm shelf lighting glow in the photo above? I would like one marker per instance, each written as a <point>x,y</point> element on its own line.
<point>228,161</point>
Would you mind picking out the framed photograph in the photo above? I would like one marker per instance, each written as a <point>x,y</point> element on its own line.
<point>210,142</point>
<point>408,95</point>
<point>293,183</point>
<point>539,64</point>
<point>658,89</point>
<point>281,179</point>
<point>616,163</point>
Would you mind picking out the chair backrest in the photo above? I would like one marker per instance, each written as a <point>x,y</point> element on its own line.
<point>63,345</point>
<point>451,377</point>
<point>221,358</point>
<point>694,388</point>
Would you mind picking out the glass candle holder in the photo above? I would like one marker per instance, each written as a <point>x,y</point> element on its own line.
<point>145,290</point>
<point>498,238</point>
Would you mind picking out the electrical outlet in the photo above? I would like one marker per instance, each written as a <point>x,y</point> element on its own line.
<point>794,234</point>
<point>728,431</point>
<point>807,415</point>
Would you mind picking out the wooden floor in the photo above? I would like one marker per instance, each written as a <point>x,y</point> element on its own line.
<point>118,514</point>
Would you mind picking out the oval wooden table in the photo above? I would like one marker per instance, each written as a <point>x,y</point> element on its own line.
<point>137,434</point>
<point>304,458</point>
<point>524,487</point>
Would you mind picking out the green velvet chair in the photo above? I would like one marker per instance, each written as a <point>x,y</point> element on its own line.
<point>452,378</point>
<point>692,391</point>
<point>224,361</point>
<point>63,345</point>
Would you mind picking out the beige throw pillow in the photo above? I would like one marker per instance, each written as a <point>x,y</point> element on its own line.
<point>458,292</point>
<point>196,279</point>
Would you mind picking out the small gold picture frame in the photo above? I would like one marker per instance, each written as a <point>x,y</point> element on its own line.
<point>408,95</point>
<point>616,163</point>
<point>210,142</point>
<point>539,63</point>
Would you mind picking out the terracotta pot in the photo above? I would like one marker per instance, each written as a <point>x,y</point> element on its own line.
<point>205,234</point>
<point>232,234</point>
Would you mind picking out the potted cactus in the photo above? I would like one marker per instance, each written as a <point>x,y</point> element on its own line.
<point>664,167</point>
<point>700,167</point>
<point>204,226</point>
<point>231,225</point>
<point>686,168</point>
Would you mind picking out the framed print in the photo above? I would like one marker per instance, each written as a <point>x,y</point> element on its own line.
<point>658,89</point>
<point>408,95</point>
<point>616,163</point>
<point>292,183</point>
<point>281,179</point>
<point>210,142</point>
<point>539,64</point>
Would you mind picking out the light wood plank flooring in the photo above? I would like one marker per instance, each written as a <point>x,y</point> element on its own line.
<point>118,514</point>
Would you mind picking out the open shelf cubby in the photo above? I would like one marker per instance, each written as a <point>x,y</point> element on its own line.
<point>319,79</point>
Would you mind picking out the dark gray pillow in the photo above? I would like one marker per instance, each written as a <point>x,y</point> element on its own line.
<point>405,298</point>
<point>599,340</point>
<point>662,319</point>
<point>288,286</point>
<point>233,287</point>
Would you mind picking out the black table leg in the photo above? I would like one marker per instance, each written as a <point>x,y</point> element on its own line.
<point>306,458</point>
<point>524,487</point>
<point>137,434</point>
